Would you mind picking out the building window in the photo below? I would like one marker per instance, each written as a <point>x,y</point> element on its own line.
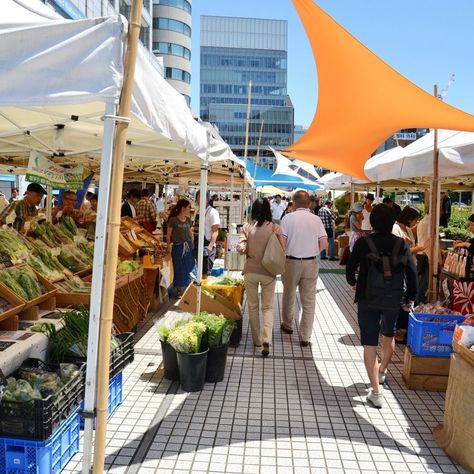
<point>177,74</point>
<point>188,99</point>
<point>173,25</point>
<point>172,48</point>
<point>183,4</point>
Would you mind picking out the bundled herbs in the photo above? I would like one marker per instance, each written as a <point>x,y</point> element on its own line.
<point>12,244</point>
<point>51,235</point>
<point>74,259</point>
<point>187,337</point>
<point>219,329</point>
<point>71,339</point>
<point>68,226</point>
<point>23,282</point>
<point>74,285</point>
<point>164,328</point>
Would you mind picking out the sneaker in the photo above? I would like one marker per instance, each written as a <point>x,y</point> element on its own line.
<point>324,258</point>
<point>382,377</point>
<point>266,349</point>
<point>375,400</point>
<point>305,343</point>
<point>333,259</point>
<point>285,329</point>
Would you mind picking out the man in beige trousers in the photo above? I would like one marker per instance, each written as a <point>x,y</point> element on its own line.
<point>304,237</point>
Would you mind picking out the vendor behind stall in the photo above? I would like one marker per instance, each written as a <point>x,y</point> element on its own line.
<point>21,211</point>
<point>90,217</point>
<point>67,207</point>
<point>470,243</point>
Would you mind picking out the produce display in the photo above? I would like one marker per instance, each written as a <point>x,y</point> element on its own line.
<point>33,384</point>
<point>127,266</point>
<point>73,285</point>
<point>12,245</point>
<point>52,235</point>
<point>71,339</point>
<point>4,305</point>
<point>434,308</point>
<point>75,258</point>
<point>45,263</point>
<point>22,281</point>
<point>228,281</point>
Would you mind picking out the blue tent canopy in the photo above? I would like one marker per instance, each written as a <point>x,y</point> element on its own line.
<point>264,177</point>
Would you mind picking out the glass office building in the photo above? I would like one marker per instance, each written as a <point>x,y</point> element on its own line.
<point>235,51</point>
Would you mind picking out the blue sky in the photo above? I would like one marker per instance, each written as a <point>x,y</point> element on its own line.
<point>425,40</point>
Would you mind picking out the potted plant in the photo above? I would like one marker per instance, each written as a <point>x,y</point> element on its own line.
<point>219,330</point>
<point>189,342</point>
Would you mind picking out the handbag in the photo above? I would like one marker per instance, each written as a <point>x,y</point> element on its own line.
<point>345,256</point>
<point>274,257</point>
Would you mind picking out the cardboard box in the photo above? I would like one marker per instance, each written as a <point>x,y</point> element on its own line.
<point>210,302</point>
<point>425,373</point>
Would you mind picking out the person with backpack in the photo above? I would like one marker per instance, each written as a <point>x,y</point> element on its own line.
<point>387,272</point>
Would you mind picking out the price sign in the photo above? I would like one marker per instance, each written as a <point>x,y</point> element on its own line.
<point>5,260</point>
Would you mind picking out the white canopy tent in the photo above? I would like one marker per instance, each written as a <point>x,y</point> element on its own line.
<point>339,181</point>
<point>456,158</point>
<point>61,83</point>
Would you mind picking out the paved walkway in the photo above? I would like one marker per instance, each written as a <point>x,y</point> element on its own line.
<point>302,410</point>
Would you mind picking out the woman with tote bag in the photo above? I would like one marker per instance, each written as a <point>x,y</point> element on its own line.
<point>253,243</point>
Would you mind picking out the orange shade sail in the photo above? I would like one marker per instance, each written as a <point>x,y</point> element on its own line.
<point>362,101</point>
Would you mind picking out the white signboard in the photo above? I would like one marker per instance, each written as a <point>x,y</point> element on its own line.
<point>405,136</point>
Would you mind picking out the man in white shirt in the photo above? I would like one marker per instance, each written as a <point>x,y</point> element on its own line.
<point>278,207</point>
<point>211,230</point>
<point>305,238</point>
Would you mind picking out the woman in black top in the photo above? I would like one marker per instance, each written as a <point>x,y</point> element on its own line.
<point>179,237</point>
<point>375,321</point>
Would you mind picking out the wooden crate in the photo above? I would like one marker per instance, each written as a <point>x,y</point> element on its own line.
<point>425,373</point>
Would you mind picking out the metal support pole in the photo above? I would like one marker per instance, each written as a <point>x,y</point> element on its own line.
<point>352,193</point>
<point>377,193</point>
<point>98,281</point>
<point>202,222</point>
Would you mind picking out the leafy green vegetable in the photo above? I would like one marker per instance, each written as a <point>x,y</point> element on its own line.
<point>187,337</point>
<point>219,328</point>
<point>229,281</point>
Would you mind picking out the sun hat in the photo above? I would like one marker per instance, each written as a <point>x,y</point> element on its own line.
<point>357,207</point>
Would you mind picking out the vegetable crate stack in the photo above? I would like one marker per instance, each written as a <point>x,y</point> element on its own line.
<point>429,346</point>
<point>39,417</point>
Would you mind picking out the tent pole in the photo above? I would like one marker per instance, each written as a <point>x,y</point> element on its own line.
<point>231,213</point>
<point>434,224</point>
<point>113,229</point>
<point>98,281</point>
<point>377,193</point>
<point>472,201</point>
<point>202,223</point>
<point>352,193</point>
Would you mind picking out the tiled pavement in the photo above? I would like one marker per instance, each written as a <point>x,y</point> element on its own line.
<point>302,410</point>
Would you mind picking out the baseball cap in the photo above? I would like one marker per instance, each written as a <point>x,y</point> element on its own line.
<point>36,188</point>
<point>357,207</point>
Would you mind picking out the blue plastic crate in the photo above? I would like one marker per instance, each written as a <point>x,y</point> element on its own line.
<point>18,456</point>
<point>428,338</point>
<point>115,397</point>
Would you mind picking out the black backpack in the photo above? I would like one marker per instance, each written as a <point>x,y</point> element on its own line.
<point>385,277</point>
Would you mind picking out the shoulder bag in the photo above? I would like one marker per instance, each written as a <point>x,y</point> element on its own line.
<point>274,257</point>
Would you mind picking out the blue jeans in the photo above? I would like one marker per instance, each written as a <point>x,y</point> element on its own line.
<point>330,233</point>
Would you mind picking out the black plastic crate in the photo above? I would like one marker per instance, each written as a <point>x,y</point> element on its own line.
<point>120,357</point>
<point>38,419</point>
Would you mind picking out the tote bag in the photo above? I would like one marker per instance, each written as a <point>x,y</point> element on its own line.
<point>274,257</point>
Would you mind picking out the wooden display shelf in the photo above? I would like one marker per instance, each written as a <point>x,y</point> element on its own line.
<point>425,373</point>
<point>9,318</point>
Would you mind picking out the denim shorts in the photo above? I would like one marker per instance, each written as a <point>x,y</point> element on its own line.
<point>375,321</point>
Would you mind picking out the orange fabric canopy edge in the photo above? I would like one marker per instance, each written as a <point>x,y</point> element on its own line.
<point>362,101</point>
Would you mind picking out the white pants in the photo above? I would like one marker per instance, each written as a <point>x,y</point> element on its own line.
<point>267,283</point>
